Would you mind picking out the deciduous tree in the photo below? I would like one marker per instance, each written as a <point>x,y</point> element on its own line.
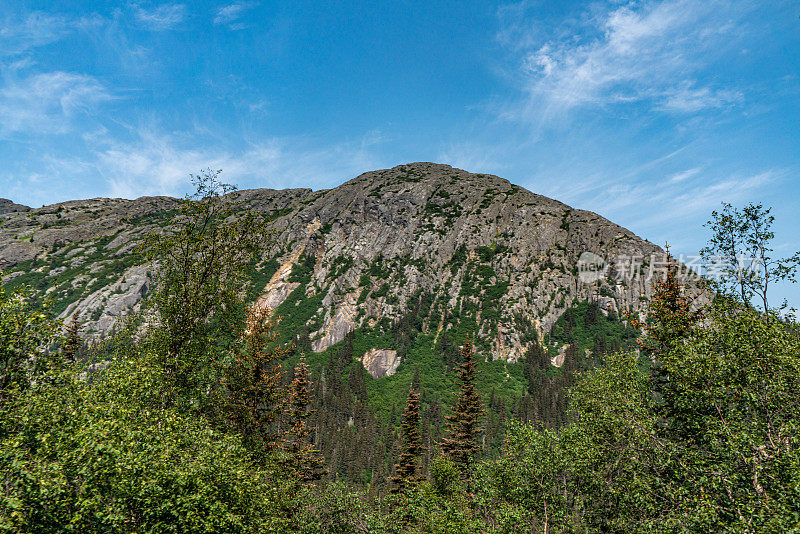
<point>27,336</point>
<point>740,251</point>
<point>202,258</point>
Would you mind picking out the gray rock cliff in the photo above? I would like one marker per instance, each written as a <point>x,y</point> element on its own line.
<point>477,245</point>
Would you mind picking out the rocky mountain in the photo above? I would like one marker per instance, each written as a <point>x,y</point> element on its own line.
<point>475,251</point>
<point>8,207</point>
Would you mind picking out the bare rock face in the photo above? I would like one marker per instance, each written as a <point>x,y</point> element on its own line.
<point>380,362</point>
<point>276,294</point>
<point>8,207</point>
<point>558,359</point>
<point>475,243</point>
<point>278,288</point>
<point>607,305</point>
<point>102,309</point>
<point>336,328</point>
<point>361,255</point>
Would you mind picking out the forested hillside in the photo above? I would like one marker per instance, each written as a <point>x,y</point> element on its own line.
<point>290,365</point>
<point>378,282</point>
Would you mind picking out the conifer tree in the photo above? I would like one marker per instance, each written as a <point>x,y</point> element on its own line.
<point>301,462</point>
<point>253,397</point>
<point>72,343</point>
<point>671,315</point>
<point>407,469</point>
<point>464,428</point>
<point>592,316</point>
<point>672,319</point>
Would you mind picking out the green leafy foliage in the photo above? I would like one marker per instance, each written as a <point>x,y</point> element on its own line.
<point>176,428</point>
<point>27,342</point>
<point>740,249</point>
<point>202,262</point>
<point>101,457</point>
<point>619,466</point>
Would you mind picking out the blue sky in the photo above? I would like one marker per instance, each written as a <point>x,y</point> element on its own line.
<point>649,113</point>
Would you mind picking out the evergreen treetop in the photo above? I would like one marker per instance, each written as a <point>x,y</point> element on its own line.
<point>252,395</point>
<point>407,469</point>
<point>464,424</point>
<point>72,342</point>
<point>301,461</point>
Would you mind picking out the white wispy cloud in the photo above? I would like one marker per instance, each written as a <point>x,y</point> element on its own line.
<point>23,33</point>
<point>160,163</point>
<point>650,52</point>
<point>688,99</point>
<point>232,12</point>
<point>47,102</point>
<point>703,197</point>
<point>31,30</point>
<point>684,175</point>
<point>649,205</point>
<point>163,17</point>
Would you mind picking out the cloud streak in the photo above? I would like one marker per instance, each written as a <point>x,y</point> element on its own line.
<point>47,102</point>
<point>649,53</point>
<point>227,15</point>
<point>161,18</point>
<point>34,30</point>
<point>649,205</point>
<point>158,163</point>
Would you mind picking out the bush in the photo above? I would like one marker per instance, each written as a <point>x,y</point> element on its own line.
<point>445,476</point>
<point>103,458</point>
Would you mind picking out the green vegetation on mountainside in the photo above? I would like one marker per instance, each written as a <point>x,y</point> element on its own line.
<point>190,423</point>
<point>70,273</point>
<point>588,328</point>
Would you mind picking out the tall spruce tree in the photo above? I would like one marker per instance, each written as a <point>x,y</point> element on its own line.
<point>464,424</point>
<point>672,315</point>
<point>672,319</point>
<point>252,396</point>
<point>302,463</point>
<point>407,468</point>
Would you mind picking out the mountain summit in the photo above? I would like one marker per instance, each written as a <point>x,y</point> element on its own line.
<point>475,251</point>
